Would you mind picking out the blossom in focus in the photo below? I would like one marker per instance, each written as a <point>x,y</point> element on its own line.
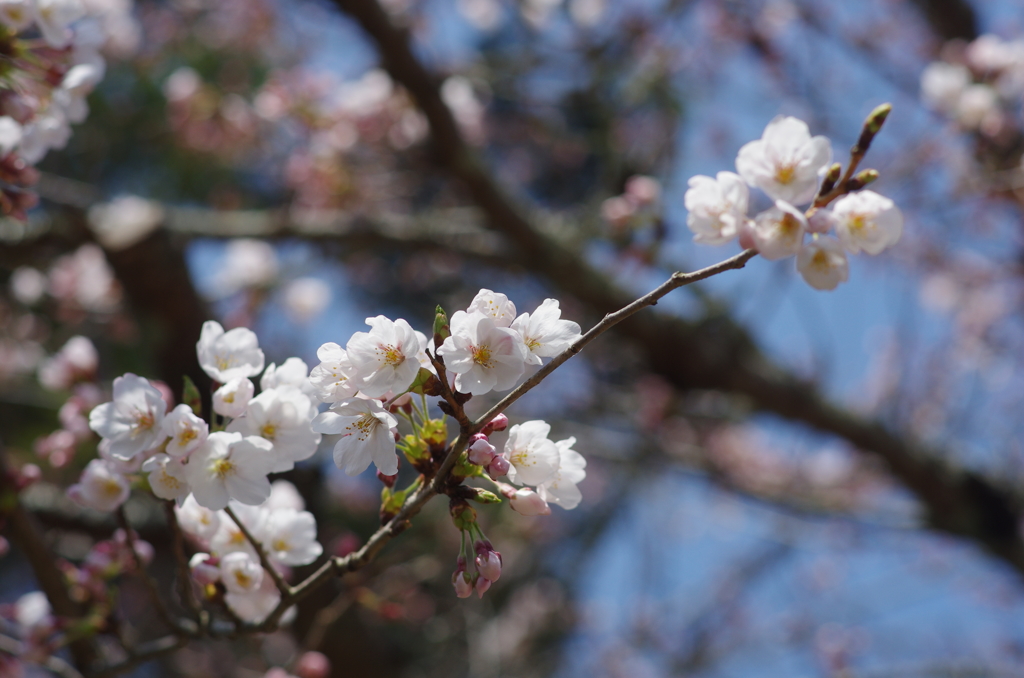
<point>282,417</point>
<point>292,372</point>
<point>334,378</point>
<point>101,487</point>
<point>133,421</point>
<point>228,355</point>
<point>230,466</point>
<point>186,431</point>
<point>717,207</point>
<point>786,162</point>
<point>367,435</point>
<point>544,333</point>
<point>533,457</point>
<point>779,231</point>
<point>231,399</point>
<point>495,305</point>
<point>385,358</point>
<point>867,221</point>
<point>822,263</point>
<point>483,356</point>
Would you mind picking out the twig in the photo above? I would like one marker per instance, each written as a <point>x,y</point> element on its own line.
<point>279,581</point>
<point>650,299</point>
<point>152,589</point>
<point>184,576</point>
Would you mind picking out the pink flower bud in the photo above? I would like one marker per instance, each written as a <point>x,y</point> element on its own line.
<point>499,423</point>
<point>313,665</point>
<point>482,584</point>
<point>481,452</point>
<point>498,467</point>
<point>529,503</point>
<point>463,585</point>
<point>488,564</point>
<point>205,569</point>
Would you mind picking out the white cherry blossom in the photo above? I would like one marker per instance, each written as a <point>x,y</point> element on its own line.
<point>100,487</point>
<point>495,305</point>
<point>867,221</point>
<point>167,478</point>
<point>292,372</point>
<point>544,334</point>
<point>283,495</point>
<point>231,399</point>
<point>786,162</point>
<point>230,466</point>
<point>198,521</point>
<point>779,231</point>
<point>228,355</point>
<point>822,263</point>
<point>367,435</point>
<point>254,606</point>
<point>717,207</point>
<point>289,537</point>
<point>483,356</point>
<point>334,378</point>
<point>133,421</point>
<point>385,358</point>
<point>16,14</point>
<point>54,17</point>
<point>281,416</point>
<point>229,537</point>
<point>533,457</point>
<point>186,431</point>
<point>240,572</point>
<point>562,488</point>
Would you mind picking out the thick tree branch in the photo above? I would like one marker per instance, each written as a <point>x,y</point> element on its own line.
<point>714,354</point>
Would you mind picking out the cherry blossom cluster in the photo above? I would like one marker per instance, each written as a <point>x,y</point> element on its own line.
<point>979,85</point>
<point>281,524</point>
<point>52,62</point>
<point>794,169</point>
<point>253,437</point>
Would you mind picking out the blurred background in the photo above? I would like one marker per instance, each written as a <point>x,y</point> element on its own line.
<point>781,482</point>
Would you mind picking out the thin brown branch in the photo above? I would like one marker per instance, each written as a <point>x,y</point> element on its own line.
<point>279,581</point>
<point>146,652</point>
<point>181,562</point>
<point>152,588</point>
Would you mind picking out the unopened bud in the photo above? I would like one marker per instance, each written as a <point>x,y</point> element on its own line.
<point>389,481</point>
<point>498,467</point>
<point>205,569</point>
<point>821,221</point>
<point>488,564</point>
<point>482,496</point>
<point>862,179</point>
<point>529,503</point>
<point>481,451</point>
<point>313,665</point>
<point>481,586</point>
<point>463,584</point>
<point>441,329</point>
<point>872,124</point>
<point>499,423</point>
<point>831,177</point>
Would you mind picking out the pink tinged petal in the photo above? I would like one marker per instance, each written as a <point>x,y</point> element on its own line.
<point>528,503</point>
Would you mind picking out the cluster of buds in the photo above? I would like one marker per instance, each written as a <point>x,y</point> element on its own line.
<point>486,561</point>
<point>793,169</point>
<point>51,63</point>
<point>979,85</point>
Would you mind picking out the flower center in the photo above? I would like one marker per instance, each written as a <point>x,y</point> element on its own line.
<point>169,481</point>
<point>222,468</point>
<point>110,488</point>
<point>482,356</point>
<point>243,579</point>
<point>280,545</point>
<point>391,355</point>
<point>785,174</point>
<point>365,426</point>
<point>143,422</point>
<point>820,261</point>
<point>789,225</point>
<point>268,431</point>
<point>857,223</point>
